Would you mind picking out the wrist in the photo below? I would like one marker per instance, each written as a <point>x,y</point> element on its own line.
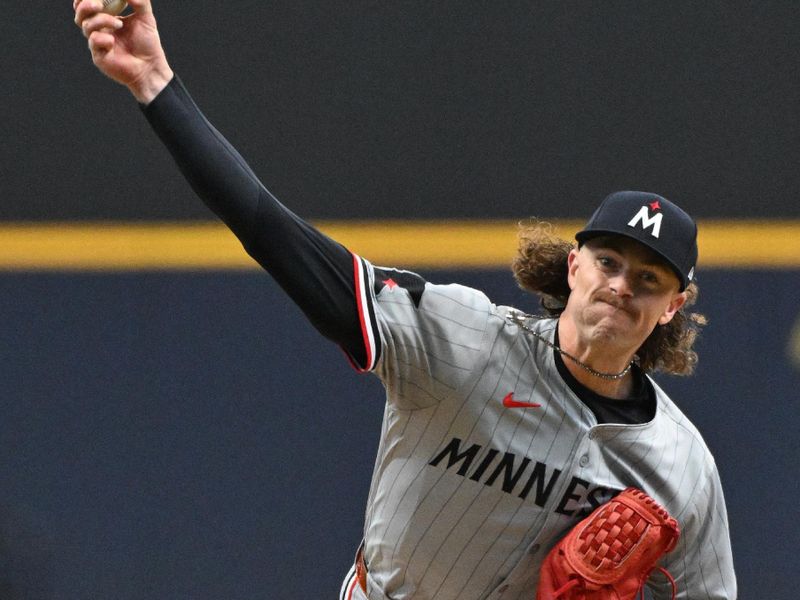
<point>147,87</point>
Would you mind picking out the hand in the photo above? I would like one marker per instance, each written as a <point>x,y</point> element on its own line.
<point>126,49</point>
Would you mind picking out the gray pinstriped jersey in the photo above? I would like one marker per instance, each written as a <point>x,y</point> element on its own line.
<point>469,495</point>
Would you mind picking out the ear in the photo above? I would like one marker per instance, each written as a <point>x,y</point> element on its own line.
<point>675,304</point>
<point>572,267</point>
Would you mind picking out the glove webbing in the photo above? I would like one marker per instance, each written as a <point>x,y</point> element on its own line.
<point>614,534</point>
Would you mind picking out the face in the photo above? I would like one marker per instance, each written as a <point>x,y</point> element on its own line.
<point>620,291</point>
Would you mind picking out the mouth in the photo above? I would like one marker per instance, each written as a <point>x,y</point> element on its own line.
<point>614,303</point>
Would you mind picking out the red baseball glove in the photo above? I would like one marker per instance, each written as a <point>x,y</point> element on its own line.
<point>611,553</point>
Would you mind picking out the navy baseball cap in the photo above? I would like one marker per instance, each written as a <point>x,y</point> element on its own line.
<point>652,220</point>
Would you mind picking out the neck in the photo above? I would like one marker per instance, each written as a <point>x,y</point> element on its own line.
<point>582,353</point>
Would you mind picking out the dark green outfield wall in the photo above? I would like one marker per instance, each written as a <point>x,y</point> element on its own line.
<point>420,109</point>
<point>189,436</point>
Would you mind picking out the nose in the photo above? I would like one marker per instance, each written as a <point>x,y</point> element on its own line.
<point>621,285</point>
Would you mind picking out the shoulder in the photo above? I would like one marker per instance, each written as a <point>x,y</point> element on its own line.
<point>449,301</point>
<point>451,311</point>
<point>690,488</point>
<point>690,446</point>
<point>670,412</point>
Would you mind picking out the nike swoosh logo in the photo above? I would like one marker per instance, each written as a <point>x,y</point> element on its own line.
<point>509,402</point>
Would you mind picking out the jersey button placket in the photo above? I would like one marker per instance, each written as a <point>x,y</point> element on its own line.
<point>584,460</point>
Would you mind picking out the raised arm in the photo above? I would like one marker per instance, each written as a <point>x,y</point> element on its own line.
<point>319,274</point>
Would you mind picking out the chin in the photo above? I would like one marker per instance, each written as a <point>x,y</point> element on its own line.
<point>606,333</point>
<point>615,328</point>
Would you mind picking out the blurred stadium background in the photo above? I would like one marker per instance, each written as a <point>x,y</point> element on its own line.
<point>171,427</point>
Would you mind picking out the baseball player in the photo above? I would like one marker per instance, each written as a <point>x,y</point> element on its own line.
<point>501,430</point>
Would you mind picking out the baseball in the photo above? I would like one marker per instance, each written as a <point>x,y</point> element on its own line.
<point>114,7</point>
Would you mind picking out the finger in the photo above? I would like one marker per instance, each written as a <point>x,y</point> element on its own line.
<point>100,43</point>
<point>99,22</point>
<point>85,9</point>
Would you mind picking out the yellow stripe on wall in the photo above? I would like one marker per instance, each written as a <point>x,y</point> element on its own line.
<point>456,244</point>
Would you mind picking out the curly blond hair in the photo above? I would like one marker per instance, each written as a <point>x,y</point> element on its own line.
<point>540,266</point>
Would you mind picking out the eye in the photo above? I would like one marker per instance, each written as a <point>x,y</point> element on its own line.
<point>606,262</point>
<point>650,277</point>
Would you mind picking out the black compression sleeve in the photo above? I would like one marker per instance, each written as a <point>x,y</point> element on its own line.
<point>313,269</point>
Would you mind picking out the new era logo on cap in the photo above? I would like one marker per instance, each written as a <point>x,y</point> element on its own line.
<point>652,220</point>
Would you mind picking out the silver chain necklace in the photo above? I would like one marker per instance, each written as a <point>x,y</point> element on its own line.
<point>520,318</point>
